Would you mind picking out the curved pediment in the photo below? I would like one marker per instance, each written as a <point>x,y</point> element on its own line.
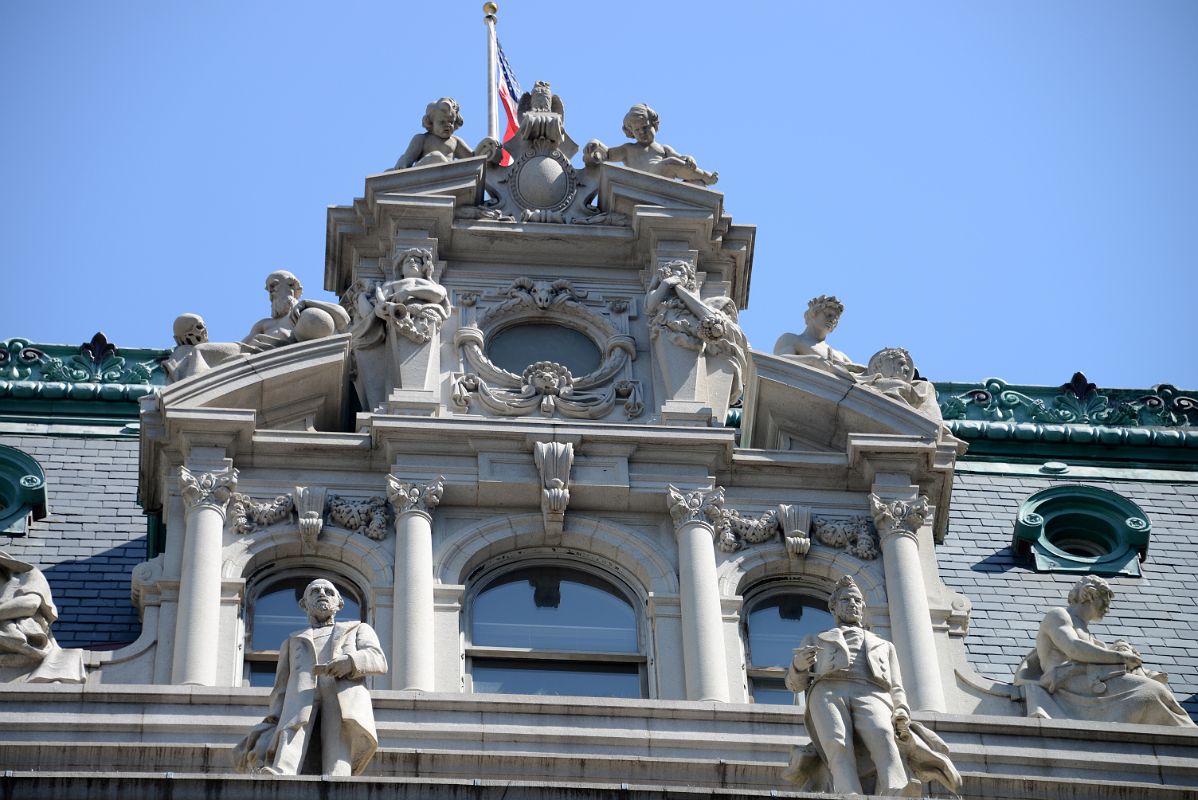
<point>793,406</point>
<point>300,386</point>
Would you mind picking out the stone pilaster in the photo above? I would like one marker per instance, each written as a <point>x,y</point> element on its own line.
<point>206,495</point>
<point>695,516</point>
<point>412,619</point>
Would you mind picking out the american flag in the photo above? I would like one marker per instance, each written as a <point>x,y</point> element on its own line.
<point>509,98</point>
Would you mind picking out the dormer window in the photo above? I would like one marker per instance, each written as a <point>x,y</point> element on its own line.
<point>1082,529</point>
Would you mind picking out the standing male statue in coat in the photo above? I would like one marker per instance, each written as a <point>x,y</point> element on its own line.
<point>320,680</point>
<point>855,702</point>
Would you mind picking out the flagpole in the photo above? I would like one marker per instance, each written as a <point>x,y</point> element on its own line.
<point>490,9</point>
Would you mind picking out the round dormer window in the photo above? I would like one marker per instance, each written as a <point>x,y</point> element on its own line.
<point>515,347</point>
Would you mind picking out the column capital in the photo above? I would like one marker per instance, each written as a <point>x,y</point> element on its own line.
<point>698,507</point>
<point>208,489</point>
<point>899,517</point>
<point>414,498</point>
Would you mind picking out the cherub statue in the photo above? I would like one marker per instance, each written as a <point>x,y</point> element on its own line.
<point>809,347</point>
<point>646,153</point>
<point>439,145</point>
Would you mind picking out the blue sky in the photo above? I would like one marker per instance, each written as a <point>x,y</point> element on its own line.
<point>1007,189</point>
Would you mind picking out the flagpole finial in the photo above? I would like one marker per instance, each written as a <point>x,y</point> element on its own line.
<point>490,9</point>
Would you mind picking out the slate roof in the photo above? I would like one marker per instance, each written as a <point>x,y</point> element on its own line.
<point>92,538</point>
<point>1158,612</point>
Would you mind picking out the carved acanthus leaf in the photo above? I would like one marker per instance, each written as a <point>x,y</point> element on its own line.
<point>703,506</point>
<point>408,497</point>
<point>207,488</point>
<point>900,517</point>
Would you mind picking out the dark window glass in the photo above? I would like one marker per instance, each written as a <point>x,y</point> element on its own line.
<point>772,691</point>
<point>778,623</point>
<point>516,347</point>
<point>557,678</point>
<point>552,608</point>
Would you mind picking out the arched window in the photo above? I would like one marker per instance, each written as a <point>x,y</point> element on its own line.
<point>554,629</point>
<point>778,619</point>
<point>273,613</point>
<point>1083,529</point>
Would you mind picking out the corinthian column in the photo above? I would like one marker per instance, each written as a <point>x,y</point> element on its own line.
<point>197,628</point>
<point>412,618</point>
<point>898,523</point>
<point>695,517</point>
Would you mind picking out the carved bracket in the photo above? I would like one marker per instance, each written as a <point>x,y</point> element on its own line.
<point>309,505</point>
<point>554,460</point>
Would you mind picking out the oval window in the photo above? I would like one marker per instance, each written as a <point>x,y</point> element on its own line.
<point>516,347</point>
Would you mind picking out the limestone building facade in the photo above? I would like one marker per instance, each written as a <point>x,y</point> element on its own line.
<point>533,449</point>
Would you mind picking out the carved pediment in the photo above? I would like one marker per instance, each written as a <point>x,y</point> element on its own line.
<point>791,406</point>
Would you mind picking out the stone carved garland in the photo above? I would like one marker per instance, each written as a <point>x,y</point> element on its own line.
<point>545,386</point>
<point>308,508</point>
<point>735,531</point>
<point>247,516</point>
<point>367,516</point>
